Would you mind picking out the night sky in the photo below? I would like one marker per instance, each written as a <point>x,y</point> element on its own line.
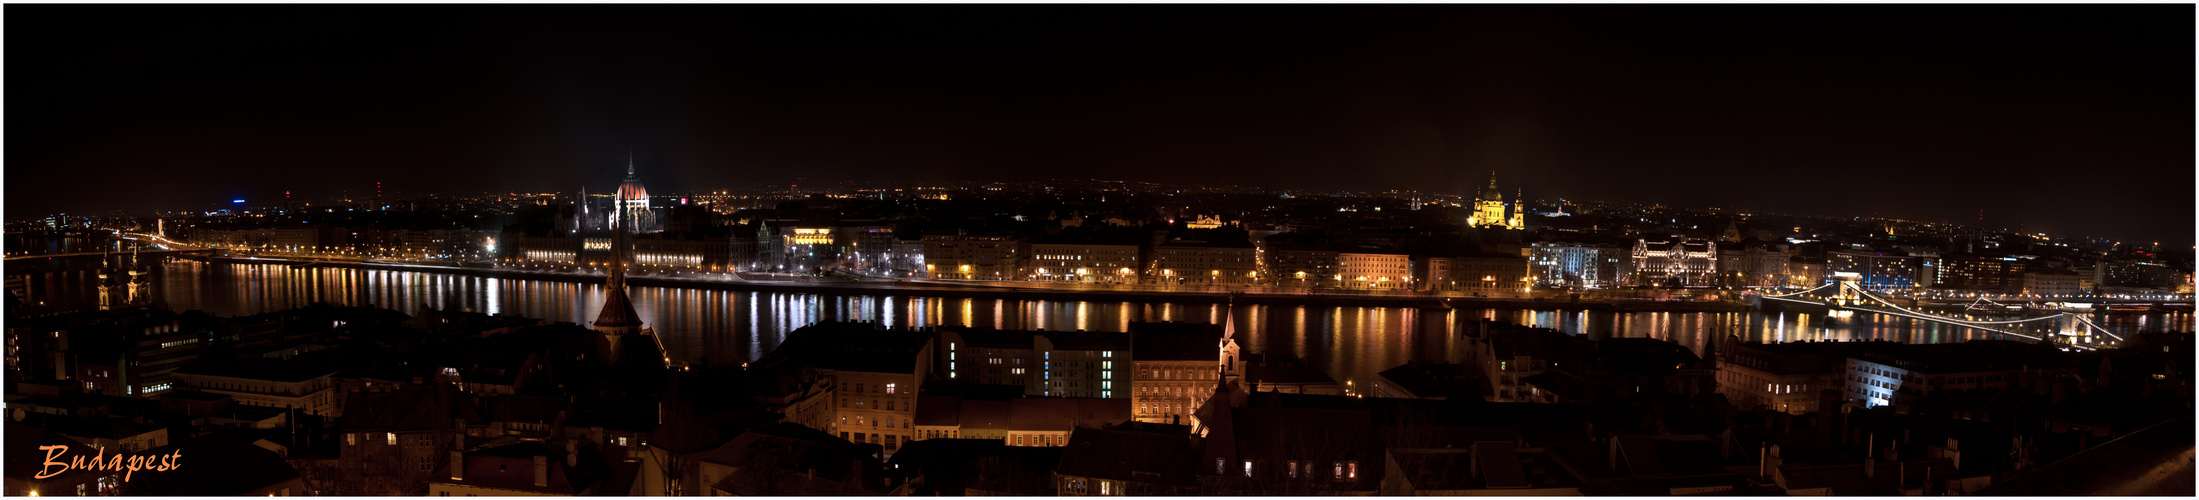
<point>2070,120</point>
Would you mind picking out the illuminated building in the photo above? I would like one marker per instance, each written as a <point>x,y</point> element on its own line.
<point>1483,273</point>
<point>1302,268</point>
<point>264,382</point>
<point>681,253</point>
<point>1752,263</point>
<point>1980,273</point>
<point>1043,363</point>
<point>1489,206</point>
<point>1177,366</point>
<point>2052,284</point>
<point>1191,262</point>
<point>1901,373</point>
<point>1927,267</point>
<point>1683,263</point>
<point>1574,264</point>
<point>1084,263</point>
<point>1804,272</point>
<point>1379,271</point>
<point>1049,421</point>
<point>866,378</point>
<point>1784,377</point>
<point>906,258</point>
<point>2137,274</point>
<point>631,205</point>
<point>972,257</point>
<point>1878,272</point>
<point>867,247</point>
<point>802,248</point>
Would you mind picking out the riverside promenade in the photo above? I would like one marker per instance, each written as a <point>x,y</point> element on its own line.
<point>1696,301</point>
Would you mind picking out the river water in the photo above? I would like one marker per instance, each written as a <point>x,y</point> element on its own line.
<point>1349,343</point>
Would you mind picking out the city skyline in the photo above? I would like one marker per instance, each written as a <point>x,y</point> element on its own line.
<point>2054,120</point>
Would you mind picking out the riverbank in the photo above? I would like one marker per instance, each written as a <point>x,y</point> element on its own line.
<point>1022,290</point>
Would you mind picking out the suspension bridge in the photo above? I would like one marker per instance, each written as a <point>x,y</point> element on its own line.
<point>2071,330</point>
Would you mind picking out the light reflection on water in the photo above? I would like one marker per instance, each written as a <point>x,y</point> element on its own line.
<point>1350,343</point>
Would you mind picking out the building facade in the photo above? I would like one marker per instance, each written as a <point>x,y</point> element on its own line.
<point>1302,268</point>
<point>964,257</point>
<point>1375,271</point>
<point>2052,284</point>
<point>1879,272</point>
<point>1043,363</point>
<point>1981,273</point>
<point>1572,264</point>
<point>1752,264</point>
<point>1202,264</point>
<point>1479,274</point>
<point>1674,262</point>
<point>1084,263</point>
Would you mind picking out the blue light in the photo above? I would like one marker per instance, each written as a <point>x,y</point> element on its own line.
<point>239,201</point>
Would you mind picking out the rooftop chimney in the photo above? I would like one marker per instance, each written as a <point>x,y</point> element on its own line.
<point>541,470</point>
<point>457,465</point>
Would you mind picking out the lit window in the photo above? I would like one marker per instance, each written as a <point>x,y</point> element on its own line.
<point>890,388</point>
<point>1248,468</point>
<point>392,438</point>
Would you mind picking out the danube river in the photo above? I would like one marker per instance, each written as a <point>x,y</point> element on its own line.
<point>1350,343</point>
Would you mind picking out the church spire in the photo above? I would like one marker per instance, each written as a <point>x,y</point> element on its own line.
<point>616,279</point>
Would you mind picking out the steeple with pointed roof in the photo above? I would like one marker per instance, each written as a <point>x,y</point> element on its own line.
<point>140,287</point>
<point>617,316</point>
<point>106,283</point>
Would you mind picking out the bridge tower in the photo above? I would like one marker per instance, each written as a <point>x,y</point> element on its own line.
<point>1846,294</point>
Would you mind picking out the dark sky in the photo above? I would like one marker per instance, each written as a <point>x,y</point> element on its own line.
<point>2070,119</point>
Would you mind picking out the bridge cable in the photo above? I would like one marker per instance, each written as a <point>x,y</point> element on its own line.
<point>1867,293</point>
<point>2089,324</point>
